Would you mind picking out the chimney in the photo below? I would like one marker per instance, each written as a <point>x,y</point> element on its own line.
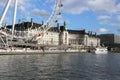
<point>31,21</point>
<point>95,34</point>
<point>19,21</point>
<point>90,32</point>
<point>58,25</point>
<point>42,22</point>
<point>65,25</point>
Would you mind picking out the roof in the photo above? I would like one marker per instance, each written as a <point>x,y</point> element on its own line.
<point>26,25</point>
<point>56,29</point>
<point>76,31</point>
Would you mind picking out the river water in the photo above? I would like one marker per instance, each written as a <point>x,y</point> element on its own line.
<point>60,67</point>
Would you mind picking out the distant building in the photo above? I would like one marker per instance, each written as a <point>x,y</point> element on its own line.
<point>110,40</point>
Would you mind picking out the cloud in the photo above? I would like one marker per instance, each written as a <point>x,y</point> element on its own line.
<point>79,6</point>
<point>24,2</point>
<point>22,8</point>
<point>2,2</point>
<point>110,20</point>
<point>104,17</point>
<point>118,30</point>
<point>118,17</point>
<point>107,6</point>
<point>115,24</point>
<point>24,5</point>
<point>74,6</point>
<point>40,12</point>
<point>112,24</point>
<point>102,30</point>
<point>104,22</point>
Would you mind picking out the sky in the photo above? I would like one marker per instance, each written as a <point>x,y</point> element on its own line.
<point>101,16</point>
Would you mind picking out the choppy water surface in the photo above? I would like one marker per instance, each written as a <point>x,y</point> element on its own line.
<point>60,67</point>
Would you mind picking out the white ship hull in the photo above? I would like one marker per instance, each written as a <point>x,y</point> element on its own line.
<point>101,50</point>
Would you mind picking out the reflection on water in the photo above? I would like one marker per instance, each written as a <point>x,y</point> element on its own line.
<point>60,67</point>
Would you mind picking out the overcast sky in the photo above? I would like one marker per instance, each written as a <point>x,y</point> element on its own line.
<point>102,16</point>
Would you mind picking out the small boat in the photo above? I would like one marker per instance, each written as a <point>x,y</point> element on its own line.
<point>101,50</point>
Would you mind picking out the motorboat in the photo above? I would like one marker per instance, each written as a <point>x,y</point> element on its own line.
<point>101,50</point>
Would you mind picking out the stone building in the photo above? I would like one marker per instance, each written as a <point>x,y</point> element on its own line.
<point>91,40</point>
<point>60,35</point>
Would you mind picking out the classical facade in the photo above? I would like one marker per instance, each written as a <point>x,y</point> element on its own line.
<point>60,35</point>
<point>91,40</point>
